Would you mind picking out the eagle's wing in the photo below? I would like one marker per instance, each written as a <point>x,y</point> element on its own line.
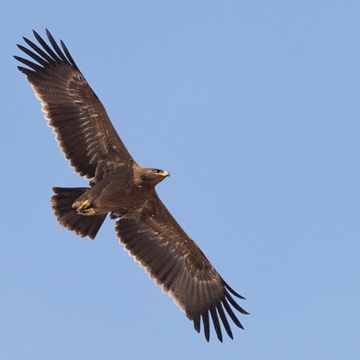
<point>84,131</point>
<point>171,257</point>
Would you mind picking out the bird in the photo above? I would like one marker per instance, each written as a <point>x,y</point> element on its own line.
<point>119,186</point>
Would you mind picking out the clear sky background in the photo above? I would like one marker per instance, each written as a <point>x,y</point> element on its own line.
<point>253,106</point>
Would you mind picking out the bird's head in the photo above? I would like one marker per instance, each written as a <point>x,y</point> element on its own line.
<point>153,176</point>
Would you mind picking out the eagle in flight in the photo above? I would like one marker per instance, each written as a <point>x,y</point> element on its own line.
<point>120,186</point>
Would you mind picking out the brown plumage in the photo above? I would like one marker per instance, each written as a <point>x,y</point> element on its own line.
<point>119,186</point>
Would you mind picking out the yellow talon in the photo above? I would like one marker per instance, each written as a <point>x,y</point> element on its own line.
<point>86,208</point>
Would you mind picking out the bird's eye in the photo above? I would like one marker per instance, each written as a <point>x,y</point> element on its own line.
<point>157,171</point>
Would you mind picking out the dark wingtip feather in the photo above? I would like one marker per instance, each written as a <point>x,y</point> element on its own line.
<point>68,55</point>
<point>197,323</point>
<point>56,47</point>
<point>28,63</point>
<point>215,320</point>
<point>46,46</point>
<point>231,314</point>
<point>234,304</point>
<point>232,290</point>
<point>37,58</point>
<point>205,317</point>
<point>37,36</point>
<point>26,71</point>
<point>38,50</point>
<point>224,320</point>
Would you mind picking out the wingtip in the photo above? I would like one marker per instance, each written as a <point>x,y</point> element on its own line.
<point>205,318</point>
<point>48,34</point>
<point>227,286</point>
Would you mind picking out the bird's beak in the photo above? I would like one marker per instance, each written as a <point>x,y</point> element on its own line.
<point>164,173</point>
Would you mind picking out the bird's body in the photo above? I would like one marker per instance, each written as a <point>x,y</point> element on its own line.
<point>121,187</point>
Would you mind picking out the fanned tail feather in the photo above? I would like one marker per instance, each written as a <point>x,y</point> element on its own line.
<point>69,218</point>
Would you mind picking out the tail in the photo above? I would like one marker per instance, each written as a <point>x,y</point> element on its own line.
<point>68,216</point>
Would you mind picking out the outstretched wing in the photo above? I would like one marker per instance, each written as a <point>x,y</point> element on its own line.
<point>167,253</point>
<point>84,131</point>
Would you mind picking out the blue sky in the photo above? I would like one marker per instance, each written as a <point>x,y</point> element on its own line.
<point>253,106</point>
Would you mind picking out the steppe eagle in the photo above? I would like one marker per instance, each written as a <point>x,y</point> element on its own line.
<point>119,186</point>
